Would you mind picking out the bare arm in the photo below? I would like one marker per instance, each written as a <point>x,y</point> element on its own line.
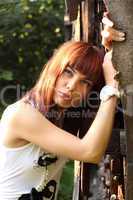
<point>99,133</point>
<point>33,127</point>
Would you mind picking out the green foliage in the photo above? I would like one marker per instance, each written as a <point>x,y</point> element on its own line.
<point>66,186</point>
<point>29,32</point>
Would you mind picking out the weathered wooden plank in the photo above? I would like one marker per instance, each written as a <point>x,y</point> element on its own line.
<point>76,28</point>
<point>72,8</point>
<point>87,12</point>
<point>114,143</point>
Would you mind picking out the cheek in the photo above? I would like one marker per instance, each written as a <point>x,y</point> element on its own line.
<point>80,95</point>
<point>83,91</point>
<point>59,83</point>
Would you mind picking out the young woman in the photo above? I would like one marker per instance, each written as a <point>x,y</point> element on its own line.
<point>34,143</point>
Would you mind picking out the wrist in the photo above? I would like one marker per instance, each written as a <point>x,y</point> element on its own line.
<point>113,83</point>
<point>109,91</point>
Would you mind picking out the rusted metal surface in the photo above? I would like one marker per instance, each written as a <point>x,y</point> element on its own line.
<point>112,173</point>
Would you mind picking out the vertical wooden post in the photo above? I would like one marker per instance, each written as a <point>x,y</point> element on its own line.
<point>83,18</point>
<point>83,26</point>
<point>121,12</point>
<point>128,117</point>
<point>87,12</point>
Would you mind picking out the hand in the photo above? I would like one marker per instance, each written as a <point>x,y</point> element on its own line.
<point>110,34</point>
<point>109,70</point>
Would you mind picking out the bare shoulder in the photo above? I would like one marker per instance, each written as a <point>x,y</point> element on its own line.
<point>21,117</point>
<point>22,114</point>
<point>18,111</point>
<point>33,127</point>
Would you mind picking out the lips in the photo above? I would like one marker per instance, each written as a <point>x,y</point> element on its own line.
<point>64,95</point>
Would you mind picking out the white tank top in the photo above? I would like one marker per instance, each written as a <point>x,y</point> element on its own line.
<point>20,171</point>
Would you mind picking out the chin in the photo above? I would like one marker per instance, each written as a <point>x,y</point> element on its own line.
<point>63,105</point>
<point>66,104</point>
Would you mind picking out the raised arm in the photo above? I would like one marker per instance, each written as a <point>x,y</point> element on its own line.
<point>33,127</point>
<point>25,123</point>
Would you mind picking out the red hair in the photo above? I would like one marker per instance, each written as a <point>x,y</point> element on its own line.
<point>79,55</point>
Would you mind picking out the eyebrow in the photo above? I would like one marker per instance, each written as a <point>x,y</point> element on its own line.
<point>84,78</point>
<point>89,81</point>
<point>71,68</point>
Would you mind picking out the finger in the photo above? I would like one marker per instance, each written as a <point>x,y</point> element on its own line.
<point>105,34</point>
<point>107,21</point>
<point>106,14</point>
<point>107,44</point>
<point>117,38</point>
<point>112,34</point>
<point>107,38</point>
<point>113,31</point>
<point>116,35</point>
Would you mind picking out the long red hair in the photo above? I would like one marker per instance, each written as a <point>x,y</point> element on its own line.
<point>84,57</point>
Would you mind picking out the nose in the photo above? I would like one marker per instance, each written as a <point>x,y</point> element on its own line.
<point>71,85</point>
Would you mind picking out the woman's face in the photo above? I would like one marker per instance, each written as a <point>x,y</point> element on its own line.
<point>71,88</point>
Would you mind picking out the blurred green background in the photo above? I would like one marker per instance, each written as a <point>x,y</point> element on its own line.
<point>30,30</point>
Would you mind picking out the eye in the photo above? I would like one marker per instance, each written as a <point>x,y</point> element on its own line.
<point>68,72</point>
<point>86,82</point>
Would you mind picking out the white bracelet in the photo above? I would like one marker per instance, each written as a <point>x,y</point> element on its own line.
<point>108,91</point>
